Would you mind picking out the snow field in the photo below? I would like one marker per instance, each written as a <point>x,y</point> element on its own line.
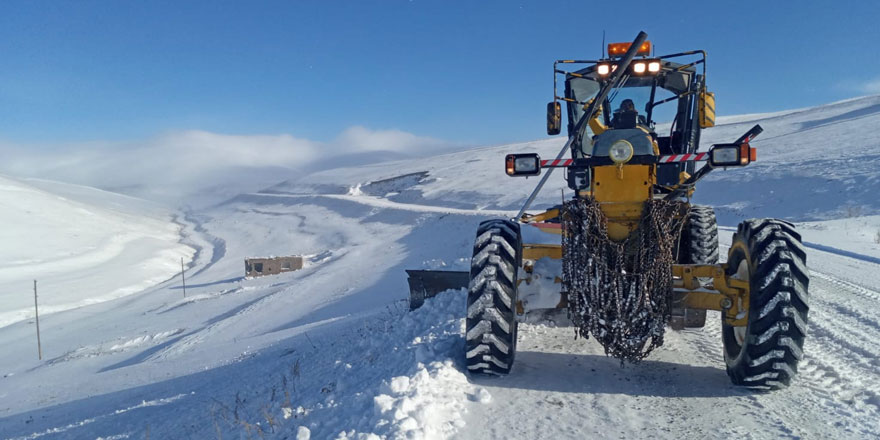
<point>70,247</point>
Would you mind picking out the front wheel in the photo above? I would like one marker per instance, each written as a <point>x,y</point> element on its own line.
<point>491,303</point>
<point>765,353</point>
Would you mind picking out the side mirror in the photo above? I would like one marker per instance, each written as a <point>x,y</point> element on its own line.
<point>554,118</point>
<point>528,164</point>
<point>731,155</point>
<point>707,109</point>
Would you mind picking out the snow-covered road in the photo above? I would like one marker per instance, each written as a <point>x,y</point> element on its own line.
<point>566,388</point>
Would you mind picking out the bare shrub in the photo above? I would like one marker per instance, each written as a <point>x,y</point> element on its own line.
<point>853,211</point>
<point>270,414</point>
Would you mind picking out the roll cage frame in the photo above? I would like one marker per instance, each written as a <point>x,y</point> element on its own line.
<point>684,135</point>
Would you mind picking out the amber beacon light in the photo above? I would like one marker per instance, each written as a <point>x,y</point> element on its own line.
<point>618,49</point>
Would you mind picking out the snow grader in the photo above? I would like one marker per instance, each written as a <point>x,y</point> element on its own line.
<point>629,254</point>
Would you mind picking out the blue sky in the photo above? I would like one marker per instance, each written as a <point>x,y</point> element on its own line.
<point>468,72</point>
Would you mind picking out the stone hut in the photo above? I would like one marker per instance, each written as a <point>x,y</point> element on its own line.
<point>260,266</point>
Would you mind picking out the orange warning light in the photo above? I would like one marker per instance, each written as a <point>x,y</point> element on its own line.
<point>618,49</point>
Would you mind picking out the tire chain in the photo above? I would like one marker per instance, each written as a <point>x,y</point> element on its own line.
<point>621,293</point>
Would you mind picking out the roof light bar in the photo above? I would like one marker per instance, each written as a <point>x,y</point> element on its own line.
<point>619,49</point>
<point>639,67</point>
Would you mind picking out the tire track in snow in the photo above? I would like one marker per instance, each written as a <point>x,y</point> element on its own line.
<point>705,342</point>
<point>840,364</point>
<point>841,361</point>
<point>756,412</point>
<point>818,389</point>
<point>848,285</point>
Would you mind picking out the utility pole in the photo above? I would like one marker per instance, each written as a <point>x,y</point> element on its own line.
<point>37,315</point>
<point>182,276</point>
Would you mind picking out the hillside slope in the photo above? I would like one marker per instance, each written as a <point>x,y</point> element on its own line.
<point>813,164</point>
<point>69,237</point>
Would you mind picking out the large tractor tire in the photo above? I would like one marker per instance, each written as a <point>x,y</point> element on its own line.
<point>491,303</point>
<point>765,353</point>
<point>698,245</point>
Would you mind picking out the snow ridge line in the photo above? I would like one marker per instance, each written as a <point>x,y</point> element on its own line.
<point>841,252</point>
<point>143,404</point>
<point>380,202</point>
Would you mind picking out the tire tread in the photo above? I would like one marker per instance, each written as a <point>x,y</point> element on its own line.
<point>490,338</point>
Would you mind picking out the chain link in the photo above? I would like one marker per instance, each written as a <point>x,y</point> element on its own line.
<point>620,292</point>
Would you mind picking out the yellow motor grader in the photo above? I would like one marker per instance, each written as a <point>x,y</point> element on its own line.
<point>631,254</point>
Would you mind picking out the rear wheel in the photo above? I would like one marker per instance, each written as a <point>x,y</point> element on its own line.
<point>491,304</point>
<point>698,245</point>
<point>765,353</point>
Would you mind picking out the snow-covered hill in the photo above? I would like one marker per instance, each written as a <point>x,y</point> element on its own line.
<point>330,351</point>
<point>813,164</point>
<point>82,245</point>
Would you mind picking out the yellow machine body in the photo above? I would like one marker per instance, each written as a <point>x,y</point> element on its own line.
<point>707,109</point>
<point>622,191</point>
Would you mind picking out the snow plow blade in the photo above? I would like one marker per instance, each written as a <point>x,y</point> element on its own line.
<point>425,284</point>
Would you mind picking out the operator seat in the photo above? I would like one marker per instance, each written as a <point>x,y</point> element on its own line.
<point>626,116</point>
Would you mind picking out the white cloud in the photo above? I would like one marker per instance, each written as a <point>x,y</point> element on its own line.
<point>176,167</point>
<point>871,86</point>
<point>362,139</point>
<point>867,87</point>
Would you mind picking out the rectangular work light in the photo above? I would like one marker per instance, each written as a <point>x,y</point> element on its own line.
<point>528,164</point>
<point>731,155</point>
<point>638,67</point>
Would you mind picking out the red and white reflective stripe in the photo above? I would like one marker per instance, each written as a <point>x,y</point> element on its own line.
<point>684,158</point>
<point>556,163</point>
<point>696,157</point>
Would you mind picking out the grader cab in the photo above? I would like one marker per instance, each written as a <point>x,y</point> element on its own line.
<point>628,254</point>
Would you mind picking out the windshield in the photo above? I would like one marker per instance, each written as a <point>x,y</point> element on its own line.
<point>582,90</point>
<point>635,89</point>
<point>641,97</point>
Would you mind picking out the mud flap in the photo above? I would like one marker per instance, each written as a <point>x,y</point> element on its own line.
<point>683,318</point>
<point>425,284</point>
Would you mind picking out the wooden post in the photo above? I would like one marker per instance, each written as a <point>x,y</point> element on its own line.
<point>182,276</point>
<point>37,316</point>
